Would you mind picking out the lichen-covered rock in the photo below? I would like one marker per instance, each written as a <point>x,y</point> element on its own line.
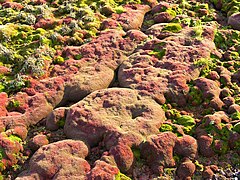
<point>158,69</point>
<point>186,146</point>
<point>102,170</point>
<point>113,110</point>
<point>123,156</point>
<point>158,151</point>
<point>204,145</point>
<point>61,159</point>
<point>133,17</point>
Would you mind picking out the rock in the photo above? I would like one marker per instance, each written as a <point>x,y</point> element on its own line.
<point>113,110</point>
<point>207,173</point>
<point>213,75</point>
<point>228,101</point>
<point>56,119</point>
<point>234,21</point>
<point>225,92</point>
<point>157,67</point>
<point>47,23</point>
<point>163,17</point>
<point>11,150</point>
<point>123,156</point>
<point>216,103</point>
<point>133,17</point>
<point>158,150</point>
<point>233,108</point>
<point>233,140</point>
<point>13,5</point>
<point>186,169</point>
<point>209,88</point>
<point>186,146</point>
<point>204,145</point>
<point>61,159</point>
<point>3,103</point>
<point>160,7</point>
<point>102,170</point>
<point>38,141</point>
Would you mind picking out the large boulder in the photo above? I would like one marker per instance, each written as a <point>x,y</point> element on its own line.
<point>113,110</point>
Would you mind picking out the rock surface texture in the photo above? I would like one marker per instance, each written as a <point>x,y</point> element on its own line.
<point>110,89</point>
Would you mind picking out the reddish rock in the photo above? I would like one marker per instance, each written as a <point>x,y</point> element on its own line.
<point>123,156</point>
<point>13,5</point>
<point>11,150</point>
<point>233,140</point>
<point>56,118</point>
<point>102,170</point>
<point>113,110</point>
<point>38,141</point>
<point>225,92</point>
<point>209,88</point>
<point>46,23</point>
<point>136,35</point>
<point>3,103</point>
<point>163,17</point>
<point>133,17</point>
<point>207,173</point>
<point>4,70</point>
<point>158,150</point>
<point>233,108</point>
<point>61,159</point>
<point>185,170</point>
<point>228,101</point>
<point>160,7</point>
<point>216,103</point>
<point>151,3</point>
<point>186,146</point>
<point>234,21</point>
<point>204,145</point>
<point>109,24</point>
<point>157,67</point>
<point>213,75</point>
<point>20,131</point>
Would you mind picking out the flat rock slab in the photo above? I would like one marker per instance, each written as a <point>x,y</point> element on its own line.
<point>113,110</point>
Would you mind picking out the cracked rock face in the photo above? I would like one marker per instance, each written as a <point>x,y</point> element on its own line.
<point>119,110</point>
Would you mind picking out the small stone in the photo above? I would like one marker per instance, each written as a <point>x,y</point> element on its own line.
<point>38,141</point>
<point>234,21</point>
<point>207,173</point>
<point>233,108</point>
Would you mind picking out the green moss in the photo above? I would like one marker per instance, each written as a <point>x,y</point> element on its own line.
<point>173,27</point>
<point>61,122</point>
<point>206,65</point>
<point>235,116</point>
<point>196,95</point>
<point>78,57</point>
<point>119,10</point>
<point>2,154</point>
<point>121,176</point>
<point>236,127</point>
<point>159,53</point>
<point>136,153</point>
<point>59,60</point>
<point>186,120</point>
<point>166,127</point>
<point>13,104</point>
<point>15,138</point>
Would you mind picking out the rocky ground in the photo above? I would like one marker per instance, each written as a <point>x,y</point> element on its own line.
<point>124,89</point>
